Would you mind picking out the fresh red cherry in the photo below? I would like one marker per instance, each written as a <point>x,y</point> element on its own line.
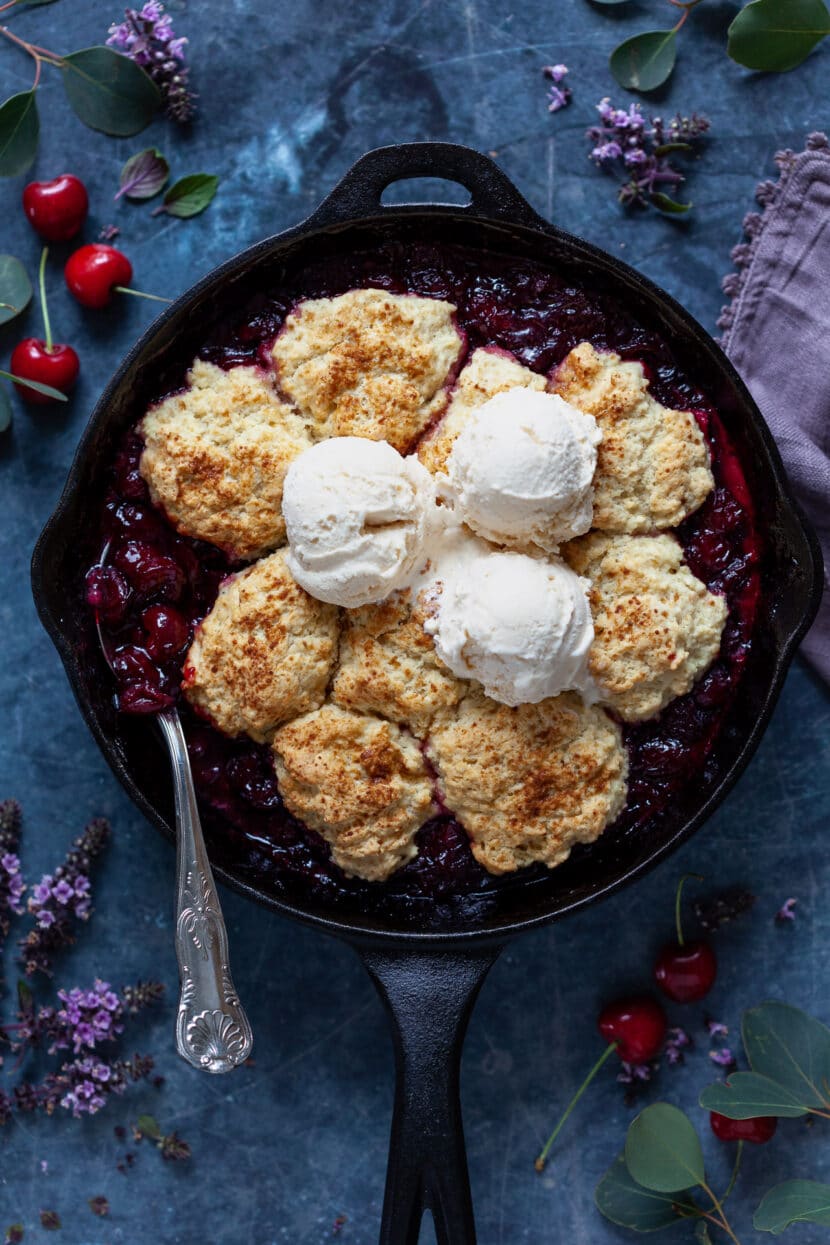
<point>758,1131</point>
<point>57,366</point>
<point>634,1028</point>
<point>56,209</point>
<point>95,271</point>
<point>637,1026</point>
<point>686,973</point>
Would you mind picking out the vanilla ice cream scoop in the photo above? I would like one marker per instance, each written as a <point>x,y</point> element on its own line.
<point>520,471</point>
<point>519,625</point>
<point>356,515</point>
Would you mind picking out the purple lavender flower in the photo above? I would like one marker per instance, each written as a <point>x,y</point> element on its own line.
<point>147,37</point>
<point>644,148</point>
<point>716,1029</point>
<point>559,96</point>
<point>49,902</point>
<point>12,885</point>
<point>62,892</point>
<point>786,912</point>
<point>677,1042</point>
<point>723,1058</point>
<point>606,151</point>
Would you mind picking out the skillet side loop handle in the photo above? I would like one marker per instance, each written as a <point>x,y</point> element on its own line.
<point>358,194</point>
<point>429,996</point>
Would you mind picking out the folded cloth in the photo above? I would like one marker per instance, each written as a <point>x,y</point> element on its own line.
<point>777,334</point>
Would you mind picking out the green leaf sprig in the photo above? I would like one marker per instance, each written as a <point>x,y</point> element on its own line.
<point>653,1183</point>
<point>768,35</point>
<point>15,288</point>
<point>189,195</point>
<point>146,174</point>
<point>106,90</point>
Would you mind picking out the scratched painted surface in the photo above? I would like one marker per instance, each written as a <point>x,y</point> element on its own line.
<point>291,95</point>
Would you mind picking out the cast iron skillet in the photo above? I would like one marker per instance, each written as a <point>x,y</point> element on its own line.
<point>429,978</point>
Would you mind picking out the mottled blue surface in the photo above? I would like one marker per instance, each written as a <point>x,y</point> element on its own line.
<point>291,94</point>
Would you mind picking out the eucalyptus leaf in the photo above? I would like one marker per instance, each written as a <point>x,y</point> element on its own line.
<point>149,1126</point>
<point>644,61</point>
<point>794,1201</point>
<point>747,1095</point>
<point>619,1198</point>
<point>46,390</point>
<point>25,997</point>
<point>19,133</point>
<point>109,92</point>
<point>189,196</point>
<point>776,35</point>
<point>790,1047</point>
<point>666,204</point>
<point>15,288</point>
<point>702,1233</point>
<point>5,409</point>
<point>662,1149</point>
<point>31,4</point>
<point>144,175</point>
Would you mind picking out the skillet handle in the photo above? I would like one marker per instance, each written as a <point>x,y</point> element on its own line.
<point>429,996</point>
<point>358,194</point>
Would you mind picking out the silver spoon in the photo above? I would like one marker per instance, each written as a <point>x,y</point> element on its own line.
<point>212,1030</point>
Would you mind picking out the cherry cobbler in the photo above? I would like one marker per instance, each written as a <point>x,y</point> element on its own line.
<point>424,731</point>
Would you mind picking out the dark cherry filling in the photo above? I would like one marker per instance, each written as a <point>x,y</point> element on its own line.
<point>158,584</point>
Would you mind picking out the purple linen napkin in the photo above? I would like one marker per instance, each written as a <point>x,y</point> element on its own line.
<point>777,334</point>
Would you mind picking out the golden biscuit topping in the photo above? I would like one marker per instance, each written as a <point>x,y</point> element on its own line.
<point>656,626</point>
<point>652,463</point>
<point>528,783</point>
<point>263,654</point>
<point>358,780</point>
<point>215,457</point>
<point>369,363</point>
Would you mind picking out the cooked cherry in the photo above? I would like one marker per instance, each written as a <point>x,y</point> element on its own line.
<point>166,631</point>
<point>150,572</point>
<point>108,592</point>
<point>141,687</point>
<point>758,1130</point>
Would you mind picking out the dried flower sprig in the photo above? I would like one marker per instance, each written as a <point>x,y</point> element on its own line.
<point>559,95</point>
<point>642,147</point>
<point>85,1022</point>
<point>147,37</point>
<point>12,885</point>
<point>722,908</point>
<point>173,1147</point>
<point>60,899</point>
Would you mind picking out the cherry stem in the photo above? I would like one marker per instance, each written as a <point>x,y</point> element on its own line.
<point>735,1169</point>
<point>157,298</point>
<point>606,1054</point>
<point>41,278</point>
<point>678,924</point>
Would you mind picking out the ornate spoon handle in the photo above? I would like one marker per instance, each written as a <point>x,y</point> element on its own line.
<point>212,1030</point>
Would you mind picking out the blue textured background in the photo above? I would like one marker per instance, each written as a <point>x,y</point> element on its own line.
<point>291,94</point>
